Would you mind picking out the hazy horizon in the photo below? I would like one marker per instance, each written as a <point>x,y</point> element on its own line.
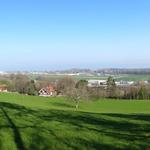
<point>69,69</point>
<point>60,35</point>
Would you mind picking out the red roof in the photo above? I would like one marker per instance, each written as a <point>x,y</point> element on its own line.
<point>50,88</point>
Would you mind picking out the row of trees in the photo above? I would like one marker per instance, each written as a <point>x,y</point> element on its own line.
<point>138,91</point>
<point>23,84</point>
<point>77,89</point>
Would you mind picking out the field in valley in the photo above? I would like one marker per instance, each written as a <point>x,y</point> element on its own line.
<point>37,123</point>
<point>125,77</point>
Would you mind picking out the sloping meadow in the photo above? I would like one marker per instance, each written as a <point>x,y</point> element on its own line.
<point>24,128</point>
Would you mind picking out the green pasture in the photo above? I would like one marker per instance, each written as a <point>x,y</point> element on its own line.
<point>37,123</point>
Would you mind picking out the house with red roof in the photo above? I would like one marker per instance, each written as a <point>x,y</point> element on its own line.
<point>48,91</point>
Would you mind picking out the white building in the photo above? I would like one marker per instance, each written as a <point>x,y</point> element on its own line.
<point>124,83</point>
<point>103,83</point>
<point>97,83</point>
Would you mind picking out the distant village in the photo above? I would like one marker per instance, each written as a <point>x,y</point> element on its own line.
<point>103,83</point>
<point>47,84</point>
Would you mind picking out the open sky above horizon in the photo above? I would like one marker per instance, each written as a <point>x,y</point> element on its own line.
<point>63,34</point>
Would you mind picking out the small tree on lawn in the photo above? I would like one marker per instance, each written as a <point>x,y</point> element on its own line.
<point>73,94</point>
<point>77,93</point>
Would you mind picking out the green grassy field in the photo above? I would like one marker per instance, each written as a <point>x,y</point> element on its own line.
<point>52,77</point>
<point>125,77</point>
<point>134,77</point>
<point>37,123</point>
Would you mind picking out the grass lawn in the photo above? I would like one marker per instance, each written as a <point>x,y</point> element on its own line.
<point>37,123</point>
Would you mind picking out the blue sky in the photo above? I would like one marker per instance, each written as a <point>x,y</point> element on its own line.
<point>62,34</point>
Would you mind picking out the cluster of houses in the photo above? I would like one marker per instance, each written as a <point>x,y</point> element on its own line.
<point>51,91</point>
<point>103,83</point>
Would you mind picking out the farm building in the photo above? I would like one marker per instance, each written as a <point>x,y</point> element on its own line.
<point>97,83</point>
<point>48,91</point>
<point>3,88</point>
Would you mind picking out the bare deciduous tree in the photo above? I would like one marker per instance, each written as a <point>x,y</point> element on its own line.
<point>72,90</point>
<point>78,93</point>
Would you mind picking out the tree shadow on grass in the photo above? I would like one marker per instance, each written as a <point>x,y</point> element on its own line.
<point>45,135</point>
<point>20,110</point>
<point>138,117</point>
<point>119,130</point>
<point>63,105</point>
<point>16,133</point>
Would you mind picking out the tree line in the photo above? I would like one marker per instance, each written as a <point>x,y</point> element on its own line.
<point>69,87</point>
